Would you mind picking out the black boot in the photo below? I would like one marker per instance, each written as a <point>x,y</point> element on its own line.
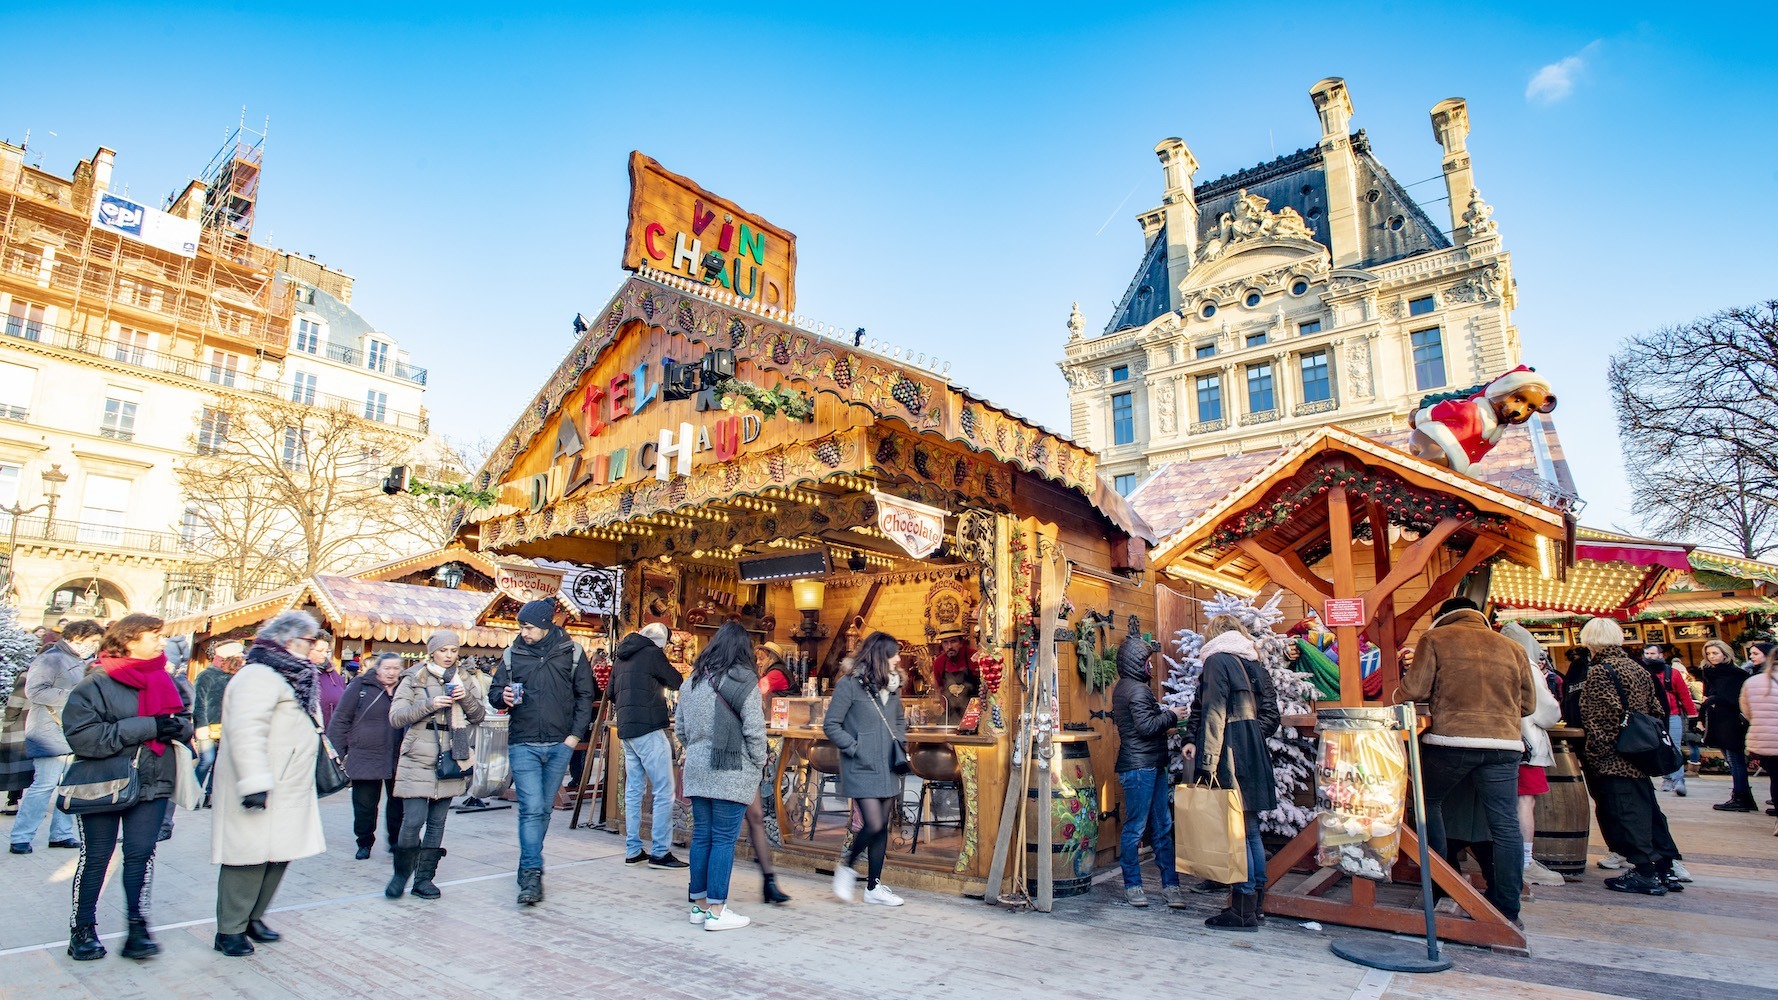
<point>425,867</point>
<point>404,867</point>
<point>139,944</point>
<point>233,945</point>
<point>1238,916</point>
<point>530,886</point>
<point>1259,905</point>
<point>83,943</point>
<point>771,893</point>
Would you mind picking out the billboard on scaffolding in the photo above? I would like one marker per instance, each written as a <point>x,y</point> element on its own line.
<point>146,225</point>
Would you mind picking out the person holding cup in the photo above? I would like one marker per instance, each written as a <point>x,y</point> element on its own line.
<point>438,711</point>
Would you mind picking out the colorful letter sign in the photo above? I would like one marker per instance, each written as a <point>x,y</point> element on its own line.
<point>1343,612</point>
<point>675,225</point>
<point>914,526</point>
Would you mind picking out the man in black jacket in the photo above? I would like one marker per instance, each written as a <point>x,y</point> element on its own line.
<point>545,684</point>
<point>1142,728</point>
<point>639,683</point>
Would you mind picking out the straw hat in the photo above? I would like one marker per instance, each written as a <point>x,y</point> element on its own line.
<point>774,650</point>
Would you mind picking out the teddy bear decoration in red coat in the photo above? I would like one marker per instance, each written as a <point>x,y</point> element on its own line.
<point>1458,432</point>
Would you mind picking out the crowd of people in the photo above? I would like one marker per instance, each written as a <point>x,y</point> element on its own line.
<point>114,735</point>
<point>1492,696</point>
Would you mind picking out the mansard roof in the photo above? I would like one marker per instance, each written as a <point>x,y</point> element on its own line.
<point>1299,181</point>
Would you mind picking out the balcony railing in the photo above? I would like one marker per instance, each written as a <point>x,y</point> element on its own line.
<point>1327,405</point>
<point>359,359</point>
<point>65,532</point>
<point>1260,417</point>
<point>1209,426</point>
<point>118,352</point>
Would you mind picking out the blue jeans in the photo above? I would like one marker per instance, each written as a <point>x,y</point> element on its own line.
<point>1496,777</point>
<point>1676,732</point>
<point>1738,775</point>
<point>715,825</point>
<point>40,799</point>
<point>1148,808</point>
<point>648,756</point>
<point>205,762</point>
<point>537,770</point>
<point>1256,856</point>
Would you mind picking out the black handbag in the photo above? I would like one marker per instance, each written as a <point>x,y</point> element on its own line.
<point>898,751</point>
<point>105,784</point>
<point>449,767</point>
<point>1643,739</point>
<point>330,777</point>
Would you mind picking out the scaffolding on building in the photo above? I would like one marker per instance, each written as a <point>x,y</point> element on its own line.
<point>231,180</point>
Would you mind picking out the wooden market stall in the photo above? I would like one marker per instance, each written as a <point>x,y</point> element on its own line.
<point>736,466</point>
<point>1373,539</point>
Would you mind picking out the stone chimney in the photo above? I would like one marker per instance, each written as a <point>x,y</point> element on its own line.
<point>1340,165</point>
<point>190,203</point>
<point>1450,126</point>
<point>1180,209</point>
<point>102,162</point>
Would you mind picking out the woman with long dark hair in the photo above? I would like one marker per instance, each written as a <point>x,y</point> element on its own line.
<point>128,705</point>
<point>865,721</point>
<point>723,731</point>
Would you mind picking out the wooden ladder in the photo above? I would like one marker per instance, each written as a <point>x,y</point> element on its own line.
<point>592,775</point>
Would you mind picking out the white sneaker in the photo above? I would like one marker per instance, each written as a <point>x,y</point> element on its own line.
<point>1537,874</point>
<point>730,920</point>
<point>1680,873</point>
<point>1612,861</point>
<point>882,895</point>
<point>698,915</point>
<point>845,883</point>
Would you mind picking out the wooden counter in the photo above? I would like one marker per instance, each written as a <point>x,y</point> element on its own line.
<point>914,736</point>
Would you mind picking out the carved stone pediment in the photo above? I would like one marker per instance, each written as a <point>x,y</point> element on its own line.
<point>1249,221</point>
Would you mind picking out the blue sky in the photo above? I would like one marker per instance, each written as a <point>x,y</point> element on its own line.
<point>956,174</point>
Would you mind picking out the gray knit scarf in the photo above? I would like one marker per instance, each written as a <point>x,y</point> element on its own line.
<point>728,746</point>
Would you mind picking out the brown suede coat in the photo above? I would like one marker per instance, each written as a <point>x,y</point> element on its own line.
<point>1477,681</point>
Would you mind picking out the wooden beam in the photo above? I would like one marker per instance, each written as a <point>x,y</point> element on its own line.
<point>1295,561</point>
<point>1383,612</point>
<point>1339,539</point>
<point>1414,559</point>
<point>1483,547</point>
<point>1228,557</point>
<point>1282,573</point>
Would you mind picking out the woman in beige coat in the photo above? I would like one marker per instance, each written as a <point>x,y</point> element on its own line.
<point>439,711</point>
<point>265,812</point>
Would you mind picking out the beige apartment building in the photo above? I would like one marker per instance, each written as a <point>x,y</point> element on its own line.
<point>1307,290</point>
<point>124,326</point>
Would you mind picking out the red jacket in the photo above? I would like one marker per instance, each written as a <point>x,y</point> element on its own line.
<point>1678,693</point>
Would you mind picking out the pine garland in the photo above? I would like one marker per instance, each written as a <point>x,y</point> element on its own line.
<point>1404,505</point>
<point>735,394</point>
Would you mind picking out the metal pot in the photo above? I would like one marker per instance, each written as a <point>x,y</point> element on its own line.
<point>933,761</point>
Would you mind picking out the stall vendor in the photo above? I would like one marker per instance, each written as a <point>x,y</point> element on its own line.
<point>774,677</point>
<point>954,677</point>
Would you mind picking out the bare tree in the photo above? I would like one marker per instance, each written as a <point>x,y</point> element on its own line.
<point>1697,409</point>
<point>278,491</point>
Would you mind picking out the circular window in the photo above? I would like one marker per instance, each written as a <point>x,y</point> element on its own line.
<point>1395,222</point>
<point>1307,190</point>
<point>1299,287</point>
<point>1252,299</point>
<point>1372,195</point>
<point>1314,212</point>
<point>1208,311</point>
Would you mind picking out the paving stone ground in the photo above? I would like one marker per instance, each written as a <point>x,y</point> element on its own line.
<point>610,931</point>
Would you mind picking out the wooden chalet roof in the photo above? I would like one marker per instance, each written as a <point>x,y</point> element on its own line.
<point>1528,532</point>
<point>806,356</point>
<point>400,612</point>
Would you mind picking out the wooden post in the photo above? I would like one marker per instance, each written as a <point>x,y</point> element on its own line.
<point>1383,615</point>
<point>1339,540</point>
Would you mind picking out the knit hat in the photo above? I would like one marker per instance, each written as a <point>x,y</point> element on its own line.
<point>540,614</point>
<point>657,633</point>
<point>441,639</point>
<point>228,649</point>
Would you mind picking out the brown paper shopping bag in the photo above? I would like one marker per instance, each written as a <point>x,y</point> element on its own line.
<point>1209,834</point>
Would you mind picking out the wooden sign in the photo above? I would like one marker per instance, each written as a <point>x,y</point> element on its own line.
<point>1550,635</point>
<point>1343,612</point>
<point>1654,633</point>
<point>524,584</point>
<point>1632,634</point>
<point>1694,631</point>
<point>676,226</point>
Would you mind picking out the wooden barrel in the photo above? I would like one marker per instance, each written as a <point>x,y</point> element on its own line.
<point>1073,818</point>
<point>1562,814</point>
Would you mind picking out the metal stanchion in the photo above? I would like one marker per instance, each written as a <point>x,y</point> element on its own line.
<point>1394,954</point>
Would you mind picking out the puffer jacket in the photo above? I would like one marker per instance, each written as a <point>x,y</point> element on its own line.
<point>1142,724</point>
<point>428,735</point>
<point>52,676</point>
<point>100,720</point>
<point>1603,709</point>
<point>1759,703</point>
<point>639,681</point>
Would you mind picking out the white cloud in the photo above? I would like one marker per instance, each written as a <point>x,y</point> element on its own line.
<point>1556,81</point>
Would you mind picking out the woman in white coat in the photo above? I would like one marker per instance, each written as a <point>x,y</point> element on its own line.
<point>1534,730</point>
<point>266,814</point>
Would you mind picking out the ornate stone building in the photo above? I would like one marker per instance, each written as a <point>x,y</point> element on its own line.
<point>1308,290</point>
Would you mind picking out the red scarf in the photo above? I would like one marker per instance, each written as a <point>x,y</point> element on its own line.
<point>156,692</point>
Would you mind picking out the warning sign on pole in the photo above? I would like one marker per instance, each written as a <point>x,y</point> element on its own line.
<point>1343,612</point>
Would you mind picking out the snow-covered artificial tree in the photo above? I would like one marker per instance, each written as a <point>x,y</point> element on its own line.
<point>1293,756</point>
<point>17,648</point>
